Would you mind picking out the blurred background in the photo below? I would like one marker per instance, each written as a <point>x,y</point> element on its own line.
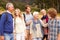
<point>36,5</point>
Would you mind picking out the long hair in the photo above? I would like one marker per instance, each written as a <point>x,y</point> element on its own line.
<point>19,12</point>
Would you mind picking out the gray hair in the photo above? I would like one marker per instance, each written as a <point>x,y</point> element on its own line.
<point>8,5</point>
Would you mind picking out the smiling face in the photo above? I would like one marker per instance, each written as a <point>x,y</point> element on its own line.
<point>10,8</point>
<point>28,10</point>
<point>36,15</point>
<point>43,12</point>
<point>17,12</point>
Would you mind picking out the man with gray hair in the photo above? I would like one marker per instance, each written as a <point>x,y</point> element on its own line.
<point>6,23</point>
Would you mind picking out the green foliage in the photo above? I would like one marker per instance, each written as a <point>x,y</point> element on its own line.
<point>41,4</point>
<point>2,9</point>
<point>34,9</point>
<point>19,5</point>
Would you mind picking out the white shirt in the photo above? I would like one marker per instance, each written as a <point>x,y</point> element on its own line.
<point>20,25</point>
<point>28,17</point>
<point>8,11</point>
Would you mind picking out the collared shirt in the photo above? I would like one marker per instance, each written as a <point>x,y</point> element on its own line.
<point>54,29</point>
<point>8,11</point>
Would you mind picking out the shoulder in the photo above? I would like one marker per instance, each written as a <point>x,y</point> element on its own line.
<point>3,14</point>
<point>58,18</point>
<point>31,15</point>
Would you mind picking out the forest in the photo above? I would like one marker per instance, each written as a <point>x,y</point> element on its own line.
<point>35,4</point>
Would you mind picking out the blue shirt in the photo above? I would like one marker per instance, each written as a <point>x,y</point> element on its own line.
<point>6,23</point>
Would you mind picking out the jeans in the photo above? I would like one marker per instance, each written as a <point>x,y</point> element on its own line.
<point>8,36</point>
<point>20,36</point>
<point>37,38</point>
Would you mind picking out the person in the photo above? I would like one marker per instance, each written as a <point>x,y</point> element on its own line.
<point>6,23</point>
<point>36,27</point>
<point>20,27</point>
<point>45,18</point>
<point>0,18</point>
<point>53,25</point>
<point>28,17</point>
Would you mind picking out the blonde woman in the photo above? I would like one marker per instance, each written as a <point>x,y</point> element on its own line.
<point>19,25</point>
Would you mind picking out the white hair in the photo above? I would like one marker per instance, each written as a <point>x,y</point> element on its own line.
<point>8,5</point>
<point>35,13</point>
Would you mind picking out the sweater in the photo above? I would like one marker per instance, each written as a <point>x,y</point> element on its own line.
<point>6,23</point>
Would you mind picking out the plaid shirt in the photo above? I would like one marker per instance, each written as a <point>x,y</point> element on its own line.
<point>54,29</point>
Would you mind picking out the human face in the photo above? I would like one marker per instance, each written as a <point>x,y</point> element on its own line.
<point>28,9</point>
<point>17,12</point>
<point>36,16</point>
<point>43,12</point>
<point>11,8</point>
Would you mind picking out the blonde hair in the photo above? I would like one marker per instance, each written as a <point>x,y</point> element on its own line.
<point>18,12</point>
<point>42,10</point>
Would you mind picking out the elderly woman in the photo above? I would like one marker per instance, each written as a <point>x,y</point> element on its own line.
<point>53,25</point>
<point>36,27</point>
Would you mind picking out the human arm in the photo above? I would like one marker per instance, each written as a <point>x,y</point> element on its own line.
<point>28,23</point>
<point>2,21</point>
<point>44,24</point>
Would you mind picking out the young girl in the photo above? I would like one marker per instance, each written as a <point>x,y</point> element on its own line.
<point>19,25</point>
